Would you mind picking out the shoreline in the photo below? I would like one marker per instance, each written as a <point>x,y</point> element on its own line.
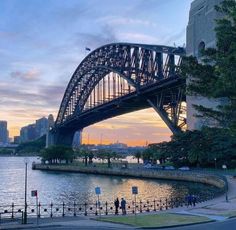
<point>188,176</point>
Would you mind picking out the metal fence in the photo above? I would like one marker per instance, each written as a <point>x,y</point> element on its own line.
<point>42,210</point>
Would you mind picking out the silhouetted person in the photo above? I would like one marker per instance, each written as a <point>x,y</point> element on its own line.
<point>116,203</point>
<point>123,204</point>
<point>194,200</point>
<point>189,198</point>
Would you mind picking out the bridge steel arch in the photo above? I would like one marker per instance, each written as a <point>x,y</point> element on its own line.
<point>150,74</point>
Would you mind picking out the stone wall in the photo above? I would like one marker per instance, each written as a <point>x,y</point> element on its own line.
<point>191,176</point>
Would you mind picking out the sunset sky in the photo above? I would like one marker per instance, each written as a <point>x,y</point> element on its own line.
<point>42,43</point>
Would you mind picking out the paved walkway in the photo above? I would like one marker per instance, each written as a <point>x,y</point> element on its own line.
<point>217,209</point>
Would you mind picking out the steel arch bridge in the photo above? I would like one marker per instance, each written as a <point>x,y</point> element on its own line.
<point>119,78</point>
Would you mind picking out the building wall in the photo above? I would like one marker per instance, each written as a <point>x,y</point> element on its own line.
<point>3,132</point>
<point>41,126</point>
<point>200,34</point>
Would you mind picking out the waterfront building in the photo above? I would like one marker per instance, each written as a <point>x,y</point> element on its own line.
<point>201,35</point>
<point>3,132</point>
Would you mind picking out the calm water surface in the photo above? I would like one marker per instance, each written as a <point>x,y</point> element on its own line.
<point>69,187</point>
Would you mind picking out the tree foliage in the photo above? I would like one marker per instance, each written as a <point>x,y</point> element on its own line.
<point>32,146</point>
<point>214,76</point>
<point>57,153</point>
<point>200,148</point>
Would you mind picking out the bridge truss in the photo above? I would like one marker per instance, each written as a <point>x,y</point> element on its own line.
<point>123,77</point>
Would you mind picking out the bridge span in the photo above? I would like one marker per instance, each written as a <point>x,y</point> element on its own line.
<point>119,78</point>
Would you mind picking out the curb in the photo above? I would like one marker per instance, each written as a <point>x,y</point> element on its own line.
<point>178,225</point>
<point>161,227</point>
<point>29,227</point>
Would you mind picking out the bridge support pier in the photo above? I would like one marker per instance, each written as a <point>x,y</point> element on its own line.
<point>60,137</point>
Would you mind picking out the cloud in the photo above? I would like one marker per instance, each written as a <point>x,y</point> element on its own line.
<point>138,38</point>
<point>114,21</point>
<point>94,40</point>
<point>176,37</point>
<point>42,96</point>
<point>31,75</point>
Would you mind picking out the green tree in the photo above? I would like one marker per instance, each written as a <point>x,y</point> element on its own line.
<point>85,153</point>
<point>215,76</point>
<point>138,155</point>
<point>56,154</point>
<point>107,155</point>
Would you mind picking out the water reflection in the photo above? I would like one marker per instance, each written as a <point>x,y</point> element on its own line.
<point>69,187</point>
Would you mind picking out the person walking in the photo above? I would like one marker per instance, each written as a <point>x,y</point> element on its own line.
<point>116,203</point>
<point>123,206</point>
<point>194,200</point>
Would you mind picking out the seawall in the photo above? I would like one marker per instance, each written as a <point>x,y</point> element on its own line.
<point>190,176</point>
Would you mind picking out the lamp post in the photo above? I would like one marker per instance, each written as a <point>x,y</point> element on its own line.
<point>26,161</point>
<point>215,162</point>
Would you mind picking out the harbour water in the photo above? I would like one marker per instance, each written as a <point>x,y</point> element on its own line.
<point>61,187</point>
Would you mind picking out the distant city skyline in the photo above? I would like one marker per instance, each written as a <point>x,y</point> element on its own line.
<point>41,44</point>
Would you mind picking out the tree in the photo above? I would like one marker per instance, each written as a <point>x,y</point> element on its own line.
<point>106,154</point>
<point>32,146</point>
<point>138,155</point>
<point>85,153</point>
<point>56,154</point>
<point>215,75</point>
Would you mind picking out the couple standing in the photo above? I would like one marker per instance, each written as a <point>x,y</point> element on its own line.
<point>117,203</point>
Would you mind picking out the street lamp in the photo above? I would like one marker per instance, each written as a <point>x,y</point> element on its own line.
<point>215,162</point>
<point>26,161</point>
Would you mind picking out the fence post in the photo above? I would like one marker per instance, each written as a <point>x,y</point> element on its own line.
<point>160,205</point>
<point>106,208</point>
<point>12,210</point>
<point>22,217</point>
<point>39,210</point>
<point>140,206</point>
<point>74,209</point>
<point>154,204</point>
<point>63,209</point>
<point>148,206</point>
<point>133,206</point>
<point>51,209</point>
<point>85,209</point>
<point>166,204</point>
<point>96,207</point>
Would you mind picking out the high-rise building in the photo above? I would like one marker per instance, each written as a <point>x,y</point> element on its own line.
<point>28,133</point>
<point>3,132</point>
<point>41,126</point>
<point>16,139</point>
<point>201,35</point>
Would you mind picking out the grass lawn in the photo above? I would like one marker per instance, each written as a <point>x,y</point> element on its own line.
<point>229,214</point>
<point>156,220</point>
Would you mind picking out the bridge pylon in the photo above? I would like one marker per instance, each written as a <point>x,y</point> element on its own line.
<point>60,137</point>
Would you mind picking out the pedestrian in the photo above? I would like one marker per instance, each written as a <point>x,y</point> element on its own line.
<point>116,203</point>
<point>194,200</point>
<point>123,204</point>
<point>189,198</point>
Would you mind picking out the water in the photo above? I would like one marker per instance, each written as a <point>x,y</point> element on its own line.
<point>68,187</point>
